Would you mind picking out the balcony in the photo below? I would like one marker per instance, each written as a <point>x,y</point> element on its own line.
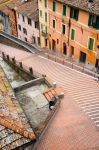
<point>44,34</point>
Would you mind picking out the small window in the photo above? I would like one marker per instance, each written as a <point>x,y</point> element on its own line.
<point>46,29</point>
<point>24,31</point>
<point>36,25</point>
<point>90,44</point>
<point>18,15</point>
<point>93,21</point>
<point>57,41</point>
<point>19,27</point>
<point>64,10</point>
<point>41,26</point>
<point>74,13</point>
<point>40,13</point>
<point>54,6</point>
<point>45,17</point>
<point>63,28</point>
<point>72,34</point>
<point>29,21</point>
<point>23,18</point>
<point>45,3</point>
<point>53,23</point>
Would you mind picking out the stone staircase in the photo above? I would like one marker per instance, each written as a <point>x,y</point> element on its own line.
<point>83,89</point>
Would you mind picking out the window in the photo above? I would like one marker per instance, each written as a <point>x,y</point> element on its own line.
<point>57,41</point>
<point>54,6</point>
<point>41,26</point>
<point>19,27</point>
<point>74,13</point>
<point>72,34</point>
<point>45,17</point>
<point>53,23</point>
<point>29,21</point>
<point>63,28</point>
<point>93,21</point>
<point>23,18</point>
<point>36,25</point>
<point>64,10</point>
<point>18,15</point>
<point>45,3</point>
<point>90,44</point>
<point>46,30</point>
<point>24,31</point>
<point>40,13</point>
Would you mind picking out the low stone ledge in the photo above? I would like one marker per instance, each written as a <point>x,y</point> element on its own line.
<point>29,84</point>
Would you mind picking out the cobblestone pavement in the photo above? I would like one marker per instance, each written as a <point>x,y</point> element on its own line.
<point>75,126</point>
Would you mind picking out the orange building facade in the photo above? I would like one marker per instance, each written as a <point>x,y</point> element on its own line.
<point>72,33</point>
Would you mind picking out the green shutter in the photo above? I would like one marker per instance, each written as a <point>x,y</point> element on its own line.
<point>45,17</point>
<point>64,10</point>
<point>71,12</point>
<point>97,23</point>
<point>77,14</point>
<point>45,3</point>
<point>90,20</point>
<point>46,30</point>
<point>91,43</point>
<point>41,13</point>
<point>72,34</point>
<point>54,6</point>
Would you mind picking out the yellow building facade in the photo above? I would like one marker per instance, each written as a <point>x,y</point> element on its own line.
<point>43,20</point>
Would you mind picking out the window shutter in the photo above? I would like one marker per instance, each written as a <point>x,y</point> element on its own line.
<point>77,14</point>
<point>97,23</point>
<point>54,6</point>
<point>64,10</point>
<point>71,12</point>
<point>72,34</point>
<point>90,20</point>
<point>45,3</point>
<point>91,42</point>
<point>45,17</point>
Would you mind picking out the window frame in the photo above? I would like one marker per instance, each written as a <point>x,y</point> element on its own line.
<point>29,22</point>
<point>63,10</point>
<point>62,29</point>
<point>93,43</point>
<point>54,6</point>
<point>25,31</point>
<point>71,34</point>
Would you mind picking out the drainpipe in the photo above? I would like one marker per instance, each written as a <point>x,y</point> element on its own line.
<point>69,25</point>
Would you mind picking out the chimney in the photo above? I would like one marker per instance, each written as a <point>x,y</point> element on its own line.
<point>90,3</point>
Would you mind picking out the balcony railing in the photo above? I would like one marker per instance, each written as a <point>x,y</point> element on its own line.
<point>44,34</point>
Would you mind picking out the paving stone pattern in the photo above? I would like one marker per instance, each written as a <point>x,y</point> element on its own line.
<point>75,126</point>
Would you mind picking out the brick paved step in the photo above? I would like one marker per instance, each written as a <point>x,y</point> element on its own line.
<point>89,101</point>
<point>93,108</point>
<point>85,104</point>
<point>84,99</point>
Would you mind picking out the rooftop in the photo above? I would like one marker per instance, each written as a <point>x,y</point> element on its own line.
<point>83,5</point>
<point>29,8</point>
<point>14,127</point>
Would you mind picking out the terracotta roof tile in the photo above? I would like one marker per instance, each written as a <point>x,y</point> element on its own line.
<point>12,117</point>
<point>83,5</point>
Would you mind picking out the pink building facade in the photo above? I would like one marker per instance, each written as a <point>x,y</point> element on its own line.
<point>27,29</point>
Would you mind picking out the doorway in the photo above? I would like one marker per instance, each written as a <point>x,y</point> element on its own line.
<point>71,51</point>
<point>64,49</point>
<point>53,45</point>
<point>33,40</point>
<point>82,57</point>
